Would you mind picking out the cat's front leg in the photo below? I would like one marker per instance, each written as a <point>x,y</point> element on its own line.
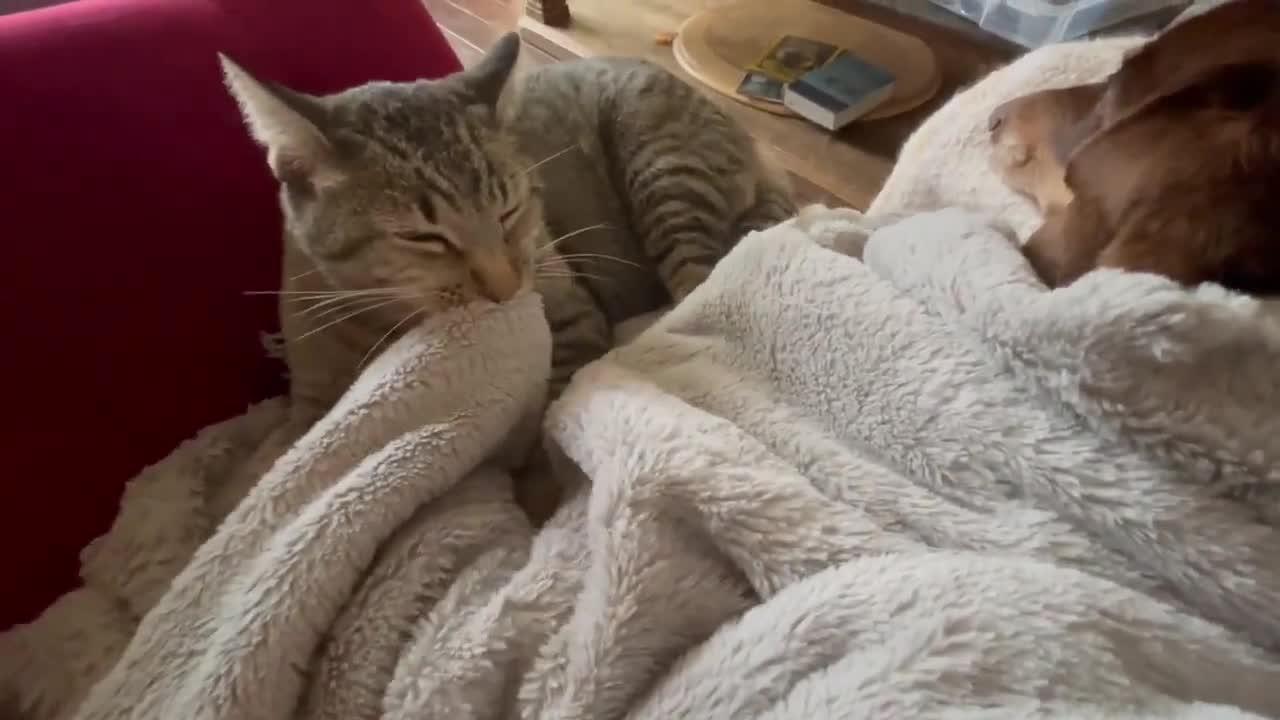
<point>580,331</point>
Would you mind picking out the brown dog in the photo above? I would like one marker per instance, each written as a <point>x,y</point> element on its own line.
<point>1170,166</point>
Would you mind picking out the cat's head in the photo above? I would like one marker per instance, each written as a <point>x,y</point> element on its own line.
<point>411,186</point>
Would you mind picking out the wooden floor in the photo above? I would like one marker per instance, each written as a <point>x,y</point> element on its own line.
<point>472,26</point>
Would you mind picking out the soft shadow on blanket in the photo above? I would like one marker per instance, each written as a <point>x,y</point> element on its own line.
<point>869,469</point>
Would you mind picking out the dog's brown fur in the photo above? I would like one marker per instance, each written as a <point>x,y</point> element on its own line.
<point>1170,166</point>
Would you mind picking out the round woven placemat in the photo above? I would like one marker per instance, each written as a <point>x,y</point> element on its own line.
<point>717,45</point>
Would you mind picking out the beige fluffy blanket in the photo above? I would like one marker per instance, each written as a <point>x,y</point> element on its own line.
<point>868,469</point>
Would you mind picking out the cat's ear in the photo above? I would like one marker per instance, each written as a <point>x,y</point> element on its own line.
<point>289,124</point>
<point>489,80</point>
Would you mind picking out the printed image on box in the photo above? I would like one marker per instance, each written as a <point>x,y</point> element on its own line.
<point>792,56</point>
<point>758,86</point>
<point>839,92</point>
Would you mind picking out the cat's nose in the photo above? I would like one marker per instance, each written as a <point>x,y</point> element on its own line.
<point>497,278</point>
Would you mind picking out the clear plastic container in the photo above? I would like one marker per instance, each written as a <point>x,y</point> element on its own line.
<point>1032,23</point>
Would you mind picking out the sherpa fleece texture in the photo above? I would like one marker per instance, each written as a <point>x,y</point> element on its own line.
<point>868,469</point>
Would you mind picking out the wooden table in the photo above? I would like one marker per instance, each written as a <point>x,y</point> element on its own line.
<point>847,167</point>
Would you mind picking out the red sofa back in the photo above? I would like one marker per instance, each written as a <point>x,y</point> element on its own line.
<point>135,213</point>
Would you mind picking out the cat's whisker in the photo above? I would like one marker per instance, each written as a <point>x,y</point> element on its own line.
<point>570,275</point>
<point>350,293</point>
<point>551,245</point>
<point>549,158</point>
<point>388,334</point>
<point>316,302</point>
<point>325,293</point>
<point>323,301</point>
<point>600,256</point>
<point>290,292</point>
<point>553,264</point>
<point>548,270</point>
<point>340,301</point>
<point>340,306</point>
<point>346,317</point>
<point>301,275</point>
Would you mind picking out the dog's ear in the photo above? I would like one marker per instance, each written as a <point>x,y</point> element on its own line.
<point>1223,57</point>
<point>1207,82</point>
<point>1183,121</point>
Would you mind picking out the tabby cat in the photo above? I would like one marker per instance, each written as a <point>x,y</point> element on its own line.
<point>608,185</point>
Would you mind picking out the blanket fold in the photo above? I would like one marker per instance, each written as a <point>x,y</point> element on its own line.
<point>266,592</point>
<point>820,486</point>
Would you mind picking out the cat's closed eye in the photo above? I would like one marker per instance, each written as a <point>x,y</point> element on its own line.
<point>510,215</point>
<point>428,242</point>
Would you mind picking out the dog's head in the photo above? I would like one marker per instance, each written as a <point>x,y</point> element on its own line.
<point>1034,135</point>
<point>1170,166</point>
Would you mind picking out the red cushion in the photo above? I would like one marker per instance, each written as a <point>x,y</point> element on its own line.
<point>134,215</point>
